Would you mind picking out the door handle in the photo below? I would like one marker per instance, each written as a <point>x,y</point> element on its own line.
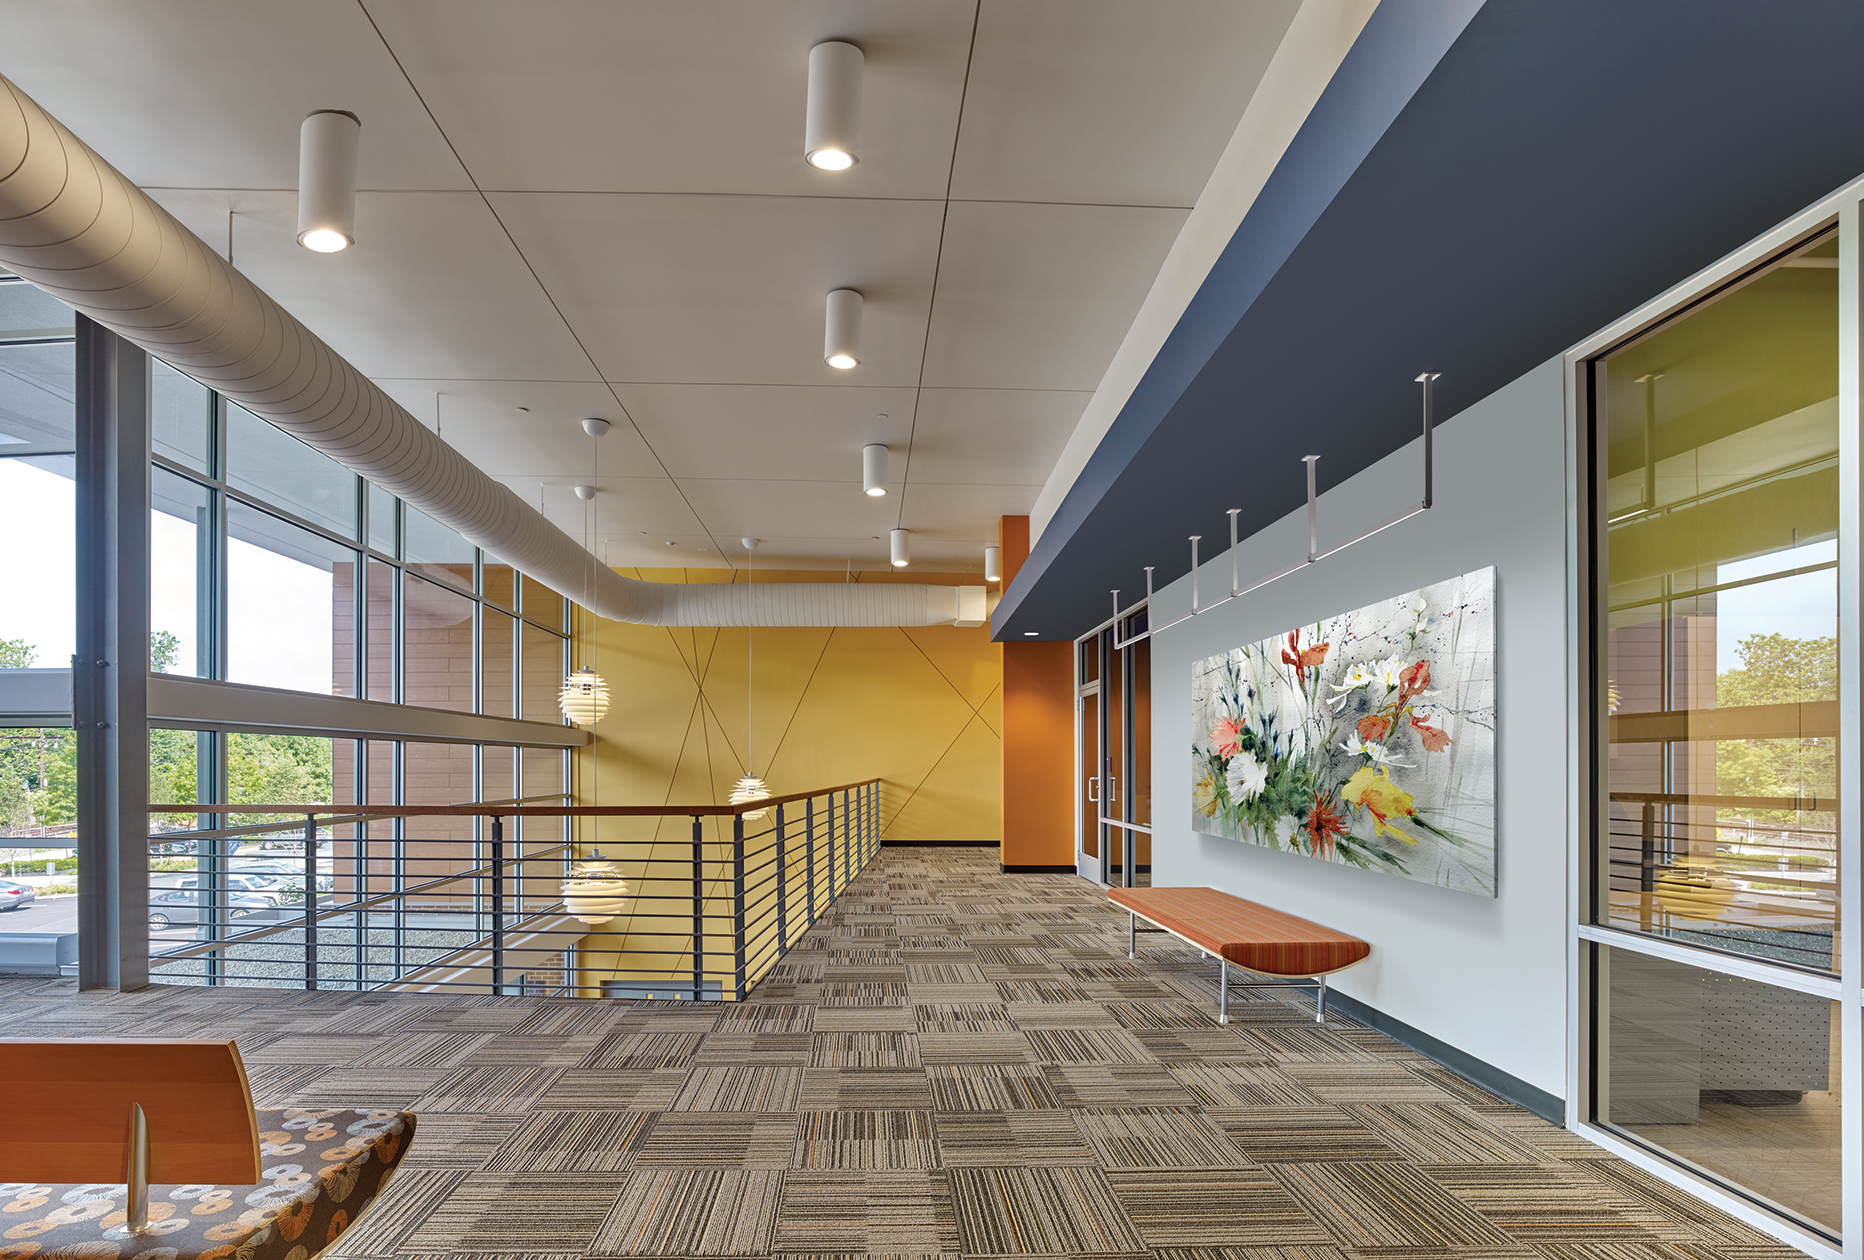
<point>1113,789</point>
<point>1092,795</point>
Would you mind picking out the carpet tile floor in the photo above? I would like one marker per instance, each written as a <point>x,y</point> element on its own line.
<point>952,1063</point>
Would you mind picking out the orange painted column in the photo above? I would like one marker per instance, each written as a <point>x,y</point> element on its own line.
<point>1038,735</point>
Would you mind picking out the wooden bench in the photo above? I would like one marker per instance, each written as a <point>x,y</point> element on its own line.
<point>111,1139</point>
<point>1256,938</point>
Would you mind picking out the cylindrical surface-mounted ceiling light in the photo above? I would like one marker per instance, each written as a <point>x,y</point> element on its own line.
<point>874,469</point>
<point>902,547</point>
<point>832,119</point>
<point>993,564</point>
<point>841,340</point>
<point>327,145</point>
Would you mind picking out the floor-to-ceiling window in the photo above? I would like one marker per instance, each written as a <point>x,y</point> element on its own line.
<point>1711,908</point>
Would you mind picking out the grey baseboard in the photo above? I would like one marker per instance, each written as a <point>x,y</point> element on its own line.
<point>933,844</point>
<point>1547,1106</point>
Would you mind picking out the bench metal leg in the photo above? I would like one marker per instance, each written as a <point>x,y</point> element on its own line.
<point>1320,1000</point>
<point>1132,934</point>
<point>1223,990</point>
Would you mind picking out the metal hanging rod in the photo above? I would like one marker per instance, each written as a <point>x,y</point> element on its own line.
<point>1314,552</point>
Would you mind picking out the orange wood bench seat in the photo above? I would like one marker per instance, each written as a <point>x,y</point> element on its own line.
<point>1255,937</point>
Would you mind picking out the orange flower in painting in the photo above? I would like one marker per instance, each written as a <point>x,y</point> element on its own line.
<point>1434,740</point>
<point>1372,790</point>
<point>1374,728</point>
<point>1414,679</point>
<point>1324,822</point>
<point>1227,736</point>
<point>1303,658</point>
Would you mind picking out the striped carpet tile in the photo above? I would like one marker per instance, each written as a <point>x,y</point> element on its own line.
<point>1041,1212</point>
<point>427,1049</point>
<point>1300,1135</point>
<point>761,1047</point>
<point>1004,1139</point>
<point>1535,1203</point>
<point>864,1049</point>
<point>867,1213</point>
<point>1241,1085</point>
<point>1440,1133</point>
<point>485,1089</point>
<point>1384,1204</point>
<point>572,1141</point>
<point>581,1089</point>
<point>864,1089</point>
<point>622,1051</point>
<point>1178,1138</point>
<point>739,1089</point>
<point>1086,1045</point>
<point>989,1087</point>
<point>691,1212</point>
<point>562,1212</point>
<point>865,1140</point>
<point>1115,1086</point>
<point>1184,1208</point>
<point>459,1140</point>
<point>709,1139</point>
<point>985,1047</point>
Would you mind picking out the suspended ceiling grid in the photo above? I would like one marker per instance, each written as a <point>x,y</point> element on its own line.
<point>601,209</point>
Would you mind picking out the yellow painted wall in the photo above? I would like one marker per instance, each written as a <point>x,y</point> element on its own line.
<point>918,707</point>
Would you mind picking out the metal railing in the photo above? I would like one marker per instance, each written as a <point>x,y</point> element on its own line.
<point>438,898</point>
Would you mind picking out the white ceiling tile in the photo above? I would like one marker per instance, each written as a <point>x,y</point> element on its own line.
<point>432,287</point>
<point>1109,101</point>
<point>780,510</point>
<point>210,93</point>
<point>731,289</point>
<point>769,432</point>
<point>992,436</point>
<point>481,420</point>
<point>675,96</point>
<point>960,513</point>
<point>1039,296</point>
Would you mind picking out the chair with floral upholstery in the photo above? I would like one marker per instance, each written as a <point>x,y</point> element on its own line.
<point>120,1147</point>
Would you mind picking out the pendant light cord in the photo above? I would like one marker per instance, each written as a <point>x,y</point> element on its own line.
<point>750,678</point>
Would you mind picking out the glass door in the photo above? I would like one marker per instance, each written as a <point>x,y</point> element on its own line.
<point>1114,756</point>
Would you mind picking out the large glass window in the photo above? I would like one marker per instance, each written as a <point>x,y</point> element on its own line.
<point>434,551</point>
<point>437,646</point>
<point>180,575</point>
<point>38,561</point>
<point>181,413</point>
<point>1718,439</point>
<point>282,584</point>
<point>270,464</point>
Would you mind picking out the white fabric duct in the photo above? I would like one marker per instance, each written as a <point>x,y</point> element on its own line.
<point>74,226</point>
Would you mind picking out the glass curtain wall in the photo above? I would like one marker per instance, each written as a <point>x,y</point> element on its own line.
<point>1716,865</point>
<point>38,765</point>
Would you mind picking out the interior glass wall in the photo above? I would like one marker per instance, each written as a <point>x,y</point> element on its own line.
<point>1715,488</point>
<point>1113,725</point>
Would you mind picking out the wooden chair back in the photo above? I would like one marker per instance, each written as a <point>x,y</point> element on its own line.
<point>68,1111</point>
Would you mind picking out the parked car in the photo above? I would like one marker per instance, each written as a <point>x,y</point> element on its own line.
<point>273,889</point>
<point>181,907</point>
<point>173,846</point>
<point>13,896</point>
<point>288,844</point>
<point>290,875</point>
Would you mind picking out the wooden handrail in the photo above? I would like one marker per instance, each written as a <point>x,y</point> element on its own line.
<point>499,811</point>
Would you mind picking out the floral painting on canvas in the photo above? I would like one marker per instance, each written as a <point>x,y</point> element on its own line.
<point>1367,739</point>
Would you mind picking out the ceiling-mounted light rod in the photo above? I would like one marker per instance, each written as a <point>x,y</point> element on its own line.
<point>993,564</point>
<point>1314,552</point>
<point>874,469</point>
<point>327,145</point>
<point>900,543</point>
<point>832,117</point>
<point>841,338</point>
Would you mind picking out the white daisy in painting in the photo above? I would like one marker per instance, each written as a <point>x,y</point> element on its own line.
<point>1246,777</point>
<point>1373,750</point>
<point>1285,827</point>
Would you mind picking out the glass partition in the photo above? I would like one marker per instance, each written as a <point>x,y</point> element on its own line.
<point>1718,439</point>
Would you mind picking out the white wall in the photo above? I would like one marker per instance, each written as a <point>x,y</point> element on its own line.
<point>1487,976</point>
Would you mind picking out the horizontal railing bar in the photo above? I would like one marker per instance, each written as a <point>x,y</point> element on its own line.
<point>488,811</point>
<point>297,823</point>
<point>1115,822</point>
<point>318,916</point>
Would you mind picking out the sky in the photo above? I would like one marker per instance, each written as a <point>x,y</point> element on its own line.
<point>1804,607</point>
<point>279,611</point>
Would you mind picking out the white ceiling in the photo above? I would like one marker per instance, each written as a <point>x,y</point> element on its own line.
<point>600,207</point>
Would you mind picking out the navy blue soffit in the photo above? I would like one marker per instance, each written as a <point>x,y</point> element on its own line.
<point>1471,211</point>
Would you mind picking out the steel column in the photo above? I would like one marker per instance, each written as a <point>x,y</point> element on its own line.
<point>110,669</point>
